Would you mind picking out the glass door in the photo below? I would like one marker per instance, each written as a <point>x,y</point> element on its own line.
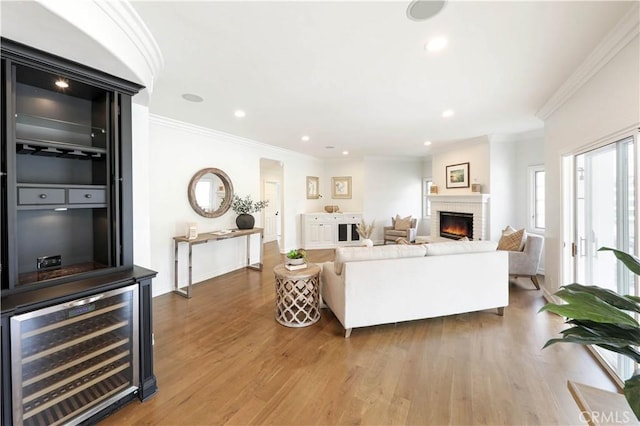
<point>605,217</point>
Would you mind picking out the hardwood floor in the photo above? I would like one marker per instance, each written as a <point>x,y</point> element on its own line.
<point>221,358</point>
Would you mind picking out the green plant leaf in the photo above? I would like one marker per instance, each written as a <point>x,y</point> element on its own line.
<point>632,393</point>
<point>618,331</point>
<point>606,295</point>
<point>614,343</point>
<point>586,306</point>
<point>631,262</point>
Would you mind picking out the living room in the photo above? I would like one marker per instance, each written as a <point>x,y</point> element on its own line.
<point>596,103</point>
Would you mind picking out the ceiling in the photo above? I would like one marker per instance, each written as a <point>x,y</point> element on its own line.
<point>356,76</point>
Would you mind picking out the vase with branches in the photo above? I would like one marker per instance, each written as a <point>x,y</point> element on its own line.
<point>244,207</point>
<point>601,317</point>
<point>366,231</point>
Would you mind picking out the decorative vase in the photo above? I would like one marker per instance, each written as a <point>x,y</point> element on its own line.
<point>367,242</point>
<point>299,261</point>
<point>245,221</point>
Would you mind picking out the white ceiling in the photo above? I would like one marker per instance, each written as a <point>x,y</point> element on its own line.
<point>356,76</point>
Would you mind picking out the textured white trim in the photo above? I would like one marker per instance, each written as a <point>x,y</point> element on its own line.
<point>125,16</point>
<point>116,26</point>
<point>625,31</point>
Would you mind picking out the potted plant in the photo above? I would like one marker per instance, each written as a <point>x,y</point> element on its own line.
<point>244,207</point>
<point>600,317</point>
<point>365,231</point>
<point>296,257</point>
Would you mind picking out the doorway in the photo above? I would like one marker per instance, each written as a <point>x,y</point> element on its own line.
<point>271,177</point>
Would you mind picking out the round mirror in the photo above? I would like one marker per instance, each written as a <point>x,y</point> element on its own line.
<point>210,192</point>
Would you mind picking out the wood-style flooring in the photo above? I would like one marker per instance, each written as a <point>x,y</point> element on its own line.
<point>221,358</point>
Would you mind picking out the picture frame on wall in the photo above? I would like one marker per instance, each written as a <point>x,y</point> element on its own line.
<point>341,187</point>
<point>457,175</point>
<point>313,187</point>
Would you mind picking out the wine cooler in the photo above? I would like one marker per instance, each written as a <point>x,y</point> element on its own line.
<point>71,360</point>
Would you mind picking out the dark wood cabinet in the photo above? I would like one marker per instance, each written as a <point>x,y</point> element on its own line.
<point>66,200</point>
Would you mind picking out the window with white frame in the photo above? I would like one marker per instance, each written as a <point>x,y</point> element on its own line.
<point>426,204</point>
<point>536,197</point>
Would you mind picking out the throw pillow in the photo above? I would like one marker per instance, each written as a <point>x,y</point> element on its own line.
<point>512,240</point>
<point>402,223</point>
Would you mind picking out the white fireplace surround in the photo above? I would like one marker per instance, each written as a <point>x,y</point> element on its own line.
<point>476,204</point>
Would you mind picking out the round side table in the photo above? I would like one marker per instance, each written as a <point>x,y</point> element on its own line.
<point>297,295</point>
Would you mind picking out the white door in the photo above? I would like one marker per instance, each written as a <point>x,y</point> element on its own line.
<point>605,217</point>
<point>272,211</point>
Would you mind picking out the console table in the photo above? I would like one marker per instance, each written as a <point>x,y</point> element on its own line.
<point>213,236</point>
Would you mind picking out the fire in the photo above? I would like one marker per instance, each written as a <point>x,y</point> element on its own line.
<point>461,231</point>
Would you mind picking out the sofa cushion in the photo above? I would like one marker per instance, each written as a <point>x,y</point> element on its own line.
<point>355,254</point>
<point>460,247</point>
<point>512,240</point>
<point>402,223</point>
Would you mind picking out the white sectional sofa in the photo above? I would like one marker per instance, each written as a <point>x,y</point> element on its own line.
<point>366,286</point>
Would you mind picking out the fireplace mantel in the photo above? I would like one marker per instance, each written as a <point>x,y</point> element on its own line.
<point>476,204</point>
<point>460,198</point>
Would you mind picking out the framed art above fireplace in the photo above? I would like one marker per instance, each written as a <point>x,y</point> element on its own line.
<point>457,175</point>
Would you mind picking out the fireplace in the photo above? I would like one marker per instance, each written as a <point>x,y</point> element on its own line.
<point>456,225</point>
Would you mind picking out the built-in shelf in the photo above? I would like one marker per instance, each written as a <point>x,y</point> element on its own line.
<point>52,123</point>
<point>59,149</point>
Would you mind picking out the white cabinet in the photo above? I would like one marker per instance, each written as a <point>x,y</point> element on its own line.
<point>329,230</point>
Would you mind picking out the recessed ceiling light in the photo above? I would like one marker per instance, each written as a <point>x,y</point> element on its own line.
<point>447,113</point>
<point>239,113</point>
<point>345,152</point>
<point>436,44</point>
<point>305,138</point>
<point>427,143</point>
<point>62,84</point>
<point>191,97</point>
<point>420,10</point>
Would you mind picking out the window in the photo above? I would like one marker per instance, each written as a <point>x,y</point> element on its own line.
<point>426,203</point>
<point>536,198</point>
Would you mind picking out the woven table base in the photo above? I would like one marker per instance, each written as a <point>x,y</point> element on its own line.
<point>297,296</point>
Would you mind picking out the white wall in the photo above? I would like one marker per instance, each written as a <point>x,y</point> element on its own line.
<point>502,205</point>
<point>475,152</point>
<point>424,227</point>
<point>529,152</point>
<point>605,105</point>
<point>391,186</point>
<point>175,152</point>
<point>141,186</point>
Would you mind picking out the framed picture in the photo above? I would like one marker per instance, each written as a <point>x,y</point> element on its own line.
<point>313,185</point>
<point>458,175</point>
<point>341,187</point>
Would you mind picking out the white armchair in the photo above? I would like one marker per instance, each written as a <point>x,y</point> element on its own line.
<point>525,263</point>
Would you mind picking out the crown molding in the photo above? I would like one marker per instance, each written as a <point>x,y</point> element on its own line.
<point>626,30</point>
<point>221,136</point>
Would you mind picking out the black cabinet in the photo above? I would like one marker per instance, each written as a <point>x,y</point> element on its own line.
<point>66,214</point>
<point>66,146</point>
